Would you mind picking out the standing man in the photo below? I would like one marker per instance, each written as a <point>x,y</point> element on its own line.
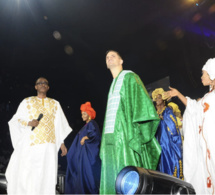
<point>37,130</point>
<point>130,125</point>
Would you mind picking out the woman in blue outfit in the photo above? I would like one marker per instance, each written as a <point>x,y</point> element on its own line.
<point>83,161</point>
<point>169,137</point>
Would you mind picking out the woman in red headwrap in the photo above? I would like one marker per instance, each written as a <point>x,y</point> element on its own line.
<point>83,161</point>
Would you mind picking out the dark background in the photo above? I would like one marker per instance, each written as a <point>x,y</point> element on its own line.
<point>66,40</point>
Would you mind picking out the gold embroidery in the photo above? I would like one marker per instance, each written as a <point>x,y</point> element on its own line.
<point>175,172</point>
<point>45,131</point>
<point>176,124</point>
<point>169,130</point>
<point>181,170</point>
<point>161,111</point>
<point>24,123</point>
<point>181,176</point>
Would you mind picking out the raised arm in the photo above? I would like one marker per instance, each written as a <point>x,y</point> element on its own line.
<point>175,93</point>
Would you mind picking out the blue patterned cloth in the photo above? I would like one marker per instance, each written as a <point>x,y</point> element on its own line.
<point>169,137</point>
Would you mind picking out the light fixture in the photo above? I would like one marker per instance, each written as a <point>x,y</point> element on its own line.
<point>137,180</point>
<point>3,184</point>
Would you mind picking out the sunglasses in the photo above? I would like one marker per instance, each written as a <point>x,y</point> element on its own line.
<point>42,83</point>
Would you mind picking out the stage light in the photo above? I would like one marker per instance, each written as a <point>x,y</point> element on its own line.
<point>3,184</point>
<point>68,50</point>
<point>57,35</point>
<point>137,180</point>
<point>130,182</point>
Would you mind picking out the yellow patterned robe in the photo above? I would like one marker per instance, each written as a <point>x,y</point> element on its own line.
<point>33,165</point>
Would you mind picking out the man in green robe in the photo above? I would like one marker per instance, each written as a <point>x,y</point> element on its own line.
<point>130,125</point>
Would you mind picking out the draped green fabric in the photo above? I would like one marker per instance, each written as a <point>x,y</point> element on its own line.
<point>133,141</point>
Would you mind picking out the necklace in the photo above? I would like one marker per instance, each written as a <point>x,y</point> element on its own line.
<point>161,111</point>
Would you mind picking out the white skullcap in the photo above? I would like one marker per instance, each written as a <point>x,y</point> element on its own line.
<point>209,67</point>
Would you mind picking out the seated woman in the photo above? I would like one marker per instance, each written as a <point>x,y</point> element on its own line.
<point>168,135</point>
<point>83,162</point>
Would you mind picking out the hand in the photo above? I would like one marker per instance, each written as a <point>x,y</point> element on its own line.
<point>171,93</point>
<point>63,149</point>
<point>82,141</point>
<point>33,123</point>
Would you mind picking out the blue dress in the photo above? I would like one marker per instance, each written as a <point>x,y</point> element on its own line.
<point>83,162</point>
<point>169,137</point>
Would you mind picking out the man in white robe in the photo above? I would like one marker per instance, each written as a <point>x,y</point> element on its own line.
<point>199,134</point>
<point>33,165</point>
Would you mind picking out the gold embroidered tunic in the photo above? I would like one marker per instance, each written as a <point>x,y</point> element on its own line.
<point>34,160</point>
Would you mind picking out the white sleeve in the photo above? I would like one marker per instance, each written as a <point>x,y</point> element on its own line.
<point>191,136</point>
<point>18,124</point>
<point>62,128</point>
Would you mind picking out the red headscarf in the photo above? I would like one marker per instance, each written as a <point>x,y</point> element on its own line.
<point>88,109</point>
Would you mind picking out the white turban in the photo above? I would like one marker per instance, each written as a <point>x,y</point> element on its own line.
<point>209,67</point>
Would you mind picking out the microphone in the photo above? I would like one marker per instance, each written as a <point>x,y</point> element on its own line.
<point>39,118</point>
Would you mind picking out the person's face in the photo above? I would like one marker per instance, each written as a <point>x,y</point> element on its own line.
<point>159,101</point>
<point>113,60</point>
<point>205,78</point>
<point>85,116</point>
<point>42,85</point>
